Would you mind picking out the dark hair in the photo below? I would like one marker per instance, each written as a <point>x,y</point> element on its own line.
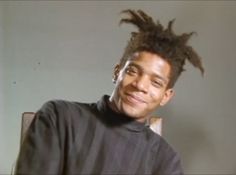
<point>152,37</point>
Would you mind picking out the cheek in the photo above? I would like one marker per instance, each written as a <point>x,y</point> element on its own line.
<point>124,82</point>
<point>155,95</point>
<point>121,87</point>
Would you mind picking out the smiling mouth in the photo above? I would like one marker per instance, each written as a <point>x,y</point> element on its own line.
<point>134,99</point>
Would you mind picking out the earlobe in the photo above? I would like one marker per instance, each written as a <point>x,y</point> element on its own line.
<point>116,73</point>
<point>166,98</point>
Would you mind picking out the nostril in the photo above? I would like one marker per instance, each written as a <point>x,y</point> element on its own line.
<point>141,84</point>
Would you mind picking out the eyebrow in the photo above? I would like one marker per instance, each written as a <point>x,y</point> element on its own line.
<point>155,74</point>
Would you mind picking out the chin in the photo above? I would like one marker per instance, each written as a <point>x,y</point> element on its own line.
<point>132,112</point>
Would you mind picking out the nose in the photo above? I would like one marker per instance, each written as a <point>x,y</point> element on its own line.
<point>141,83</point>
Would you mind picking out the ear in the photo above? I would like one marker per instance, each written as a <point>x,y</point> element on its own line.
<point>116,73</point>
<point>169,93</point>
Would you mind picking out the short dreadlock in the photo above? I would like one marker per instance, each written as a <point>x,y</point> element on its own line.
<point>152,37</point>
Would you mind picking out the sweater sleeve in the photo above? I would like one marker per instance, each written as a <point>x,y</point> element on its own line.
<point>40,152</point>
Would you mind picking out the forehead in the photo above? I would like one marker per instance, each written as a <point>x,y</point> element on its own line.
<point>150,63</point>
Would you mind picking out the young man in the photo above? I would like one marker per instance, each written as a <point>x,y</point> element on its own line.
<point>110,136</point>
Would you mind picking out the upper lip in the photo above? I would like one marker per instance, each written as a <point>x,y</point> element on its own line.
<point>136,97</point>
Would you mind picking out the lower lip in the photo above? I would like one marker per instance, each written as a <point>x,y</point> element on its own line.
<point>132,100</point>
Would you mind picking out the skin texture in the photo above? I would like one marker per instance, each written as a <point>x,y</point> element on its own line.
<point>141,85</point>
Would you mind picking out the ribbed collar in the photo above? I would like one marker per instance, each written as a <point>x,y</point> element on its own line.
<point>113,118</point>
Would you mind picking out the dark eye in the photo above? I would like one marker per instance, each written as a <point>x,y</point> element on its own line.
<point>131,70</point>
<point>157,83</point>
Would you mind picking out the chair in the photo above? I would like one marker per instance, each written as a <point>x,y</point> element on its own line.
<point>156,125</point>
<point>27,118</point>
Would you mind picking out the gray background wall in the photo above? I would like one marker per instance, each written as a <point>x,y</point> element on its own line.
<point>2,145</point>
<point>66,50</point>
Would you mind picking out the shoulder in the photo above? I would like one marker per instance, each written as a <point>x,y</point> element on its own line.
<point>166,157</point>
<point>64,106</point>
<point>159,144</point>
<point>167,160</point>
<point>63,110</point>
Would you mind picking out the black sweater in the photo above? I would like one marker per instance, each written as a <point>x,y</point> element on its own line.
<point>78,138</point>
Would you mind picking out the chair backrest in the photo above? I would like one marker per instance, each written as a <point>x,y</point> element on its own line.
<point>156,124</point>
<point>27,118</point>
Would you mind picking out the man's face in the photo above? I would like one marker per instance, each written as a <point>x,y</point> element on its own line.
<point>141,85</point>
